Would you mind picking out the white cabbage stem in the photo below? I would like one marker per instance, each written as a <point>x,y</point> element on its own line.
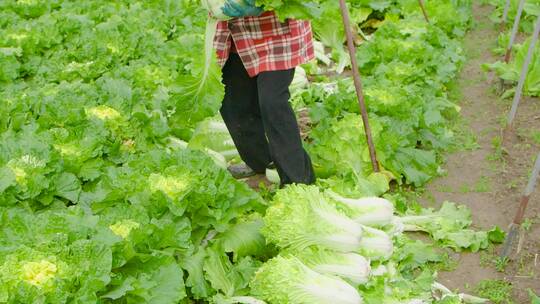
<point>371,211</point>
<point>176,143</point>
<point>376,244</point>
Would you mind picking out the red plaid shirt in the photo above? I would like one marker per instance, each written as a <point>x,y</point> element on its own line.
<point>264,43</point>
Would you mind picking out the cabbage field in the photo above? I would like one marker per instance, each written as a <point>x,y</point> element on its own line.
<point>113,180</point>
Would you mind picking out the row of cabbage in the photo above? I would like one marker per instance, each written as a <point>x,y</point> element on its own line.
<point>511,71</point>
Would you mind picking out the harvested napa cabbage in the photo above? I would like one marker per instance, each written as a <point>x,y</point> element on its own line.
<point>449,226</point>
<point>218,159</point>
<point>300,217</point>
<point>376,244</point>
<point>175,144</point>
<point>371,211</point>
<point>273,176</point>
<point>288,280</point>
<point>213,134</point>
<point>350,266</point>
<point>300,80</point>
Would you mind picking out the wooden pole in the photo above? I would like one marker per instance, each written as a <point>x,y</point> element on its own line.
<point>358,84</point>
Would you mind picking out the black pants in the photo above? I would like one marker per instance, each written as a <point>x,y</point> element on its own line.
<point>262,122</point>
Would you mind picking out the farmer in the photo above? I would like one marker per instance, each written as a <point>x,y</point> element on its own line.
<point>258,55</point>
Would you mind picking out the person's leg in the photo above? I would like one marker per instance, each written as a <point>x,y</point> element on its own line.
<point>241,114</point>
<point>291,160</point>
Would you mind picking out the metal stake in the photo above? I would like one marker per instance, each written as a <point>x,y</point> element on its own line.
<point>358,84</point>
<point>514,31</point>
<point>423,7</point>
<point>505,15</point>
<point>523,76</point>
<point>518,219</point>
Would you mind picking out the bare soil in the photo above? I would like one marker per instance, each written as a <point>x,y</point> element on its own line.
<point>256,181</point>
<point>491,178</point>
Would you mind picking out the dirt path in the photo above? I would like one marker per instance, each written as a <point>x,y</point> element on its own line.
<point>490,178</point>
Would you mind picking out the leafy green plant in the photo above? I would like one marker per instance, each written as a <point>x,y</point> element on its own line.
<point>482,185</point>
<point>501,263</point>
<point>498,150</point>
<point>498,291</point>
<point>527,224</point>
<point>287,280</point>
<point>512,70</point>
<point>534,298</point>
<point>535,134</point>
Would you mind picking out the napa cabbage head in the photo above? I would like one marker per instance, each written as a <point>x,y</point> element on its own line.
<point>123,228</point>
<point>352,267</point>
<point>68,149</point>
<point>53,255</point>
<point>172,186</point>
<point>212,134</point>
<point>300,80</point>
<point>20,174</point>
<point>288,280</point>
<point>38,273</point>
<point>376,244</point>
<point>301,217</point>
<point>23,167</point>
<point>176,144</point>
<point>371,211</point>
<point>103,112</point>
<point>109,116</point>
